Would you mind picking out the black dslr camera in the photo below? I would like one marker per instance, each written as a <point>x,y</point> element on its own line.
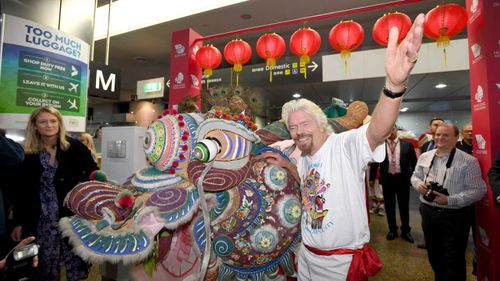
<point>429,196</point>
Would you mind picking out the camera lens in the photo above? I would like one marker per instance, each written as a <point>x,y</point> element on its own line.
<point>429,196</point>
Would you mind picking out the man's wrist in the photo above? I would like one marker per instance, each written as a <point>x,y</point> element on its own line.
<point>395,88</point>
<point>393,95</point>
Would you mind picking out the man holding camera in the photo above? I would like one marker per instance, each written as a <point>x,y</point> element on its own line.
<point>449,180</point>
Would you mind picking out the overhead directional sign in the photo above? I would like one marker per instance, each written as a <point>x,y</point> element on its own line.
<point>287,70</point>
<point>105,81</point>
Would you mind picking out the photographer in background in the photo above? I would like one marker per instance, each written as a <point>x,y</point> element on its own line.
<point>11,157</point>
<point>5,272</point>
<point>444,217</point>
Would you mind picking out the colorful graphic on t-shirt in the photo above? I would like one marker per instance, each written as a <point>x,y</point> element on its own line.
<point>313,189</point>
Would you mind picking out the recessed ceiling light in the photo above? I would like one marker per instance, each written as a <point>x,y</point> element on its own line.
<point>440,86</point>
<point>246,16</point>
<point>296,95</point>
<point>404,109</point>
<point>141,59</point>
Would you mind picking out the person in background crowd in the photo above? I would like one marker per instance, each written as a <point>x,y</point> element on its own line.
<point>375,190</point>
<point>494,177</point>
<point>331,172</point>
<point>4,270</point>
<point>409,137</point>
<point>98,139</point>
<point>11,157</point>
<point>98,132</point>
<point>54,163</point>
<point>466,143</point>
<point>445,217</point>
<point>395,174</point>
<point>88,141</point>
<point>430,144</point>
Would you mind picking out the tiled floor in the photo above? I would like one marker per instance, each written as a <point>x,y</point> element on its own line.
<point>401,260</point>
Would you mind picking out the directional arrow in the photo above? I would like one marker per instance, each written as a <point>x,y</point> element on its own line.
<point>74,71</point>
<point>168,83</point>
<point>313,65</point>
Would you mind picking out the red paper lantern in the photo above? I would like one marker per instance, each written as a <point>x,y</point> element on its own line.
<point>270,47</point>
<point>209,58</point>
<point>237,52</point>
<point>304,43</point>
<point>345,37</point>
<point>444,22</point>
<point>383,26</point>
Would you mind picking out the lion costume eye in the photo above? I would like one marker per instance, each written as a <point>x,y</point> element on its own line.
<point>206,150</point>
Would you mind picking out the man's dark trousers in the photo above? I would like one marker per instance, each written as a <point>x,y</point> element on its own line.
<point>446,232</point>
<point>396,187</point>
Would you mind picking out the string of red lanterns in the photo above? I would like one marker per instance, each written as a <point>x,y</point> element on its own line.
<point>441,24</point>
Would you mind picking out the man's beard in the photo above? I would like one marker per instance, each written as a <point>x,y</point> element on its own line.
<point>306,148</point>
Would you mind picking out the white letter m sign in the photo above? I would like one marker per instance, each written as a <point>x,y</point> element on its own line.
<point>105,84</point>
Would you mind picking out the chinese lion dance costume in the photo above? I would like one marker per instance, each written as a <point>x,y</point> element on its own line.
<point>206,208</point>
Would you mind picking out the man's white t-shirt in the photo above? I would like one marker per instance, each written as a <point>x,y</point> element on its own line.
<point>333,191</point>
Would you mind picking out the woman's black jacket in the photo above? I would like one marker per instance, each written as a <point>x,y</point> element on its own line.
<point>74,166</point>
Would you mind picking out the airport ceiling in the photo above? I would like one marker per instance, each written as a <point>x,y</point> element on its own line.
<point>145,53</point>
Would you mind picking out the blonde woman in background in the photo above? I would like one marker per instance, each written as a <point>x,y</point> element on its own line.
<point>88,141</point>
<point>53,164</point>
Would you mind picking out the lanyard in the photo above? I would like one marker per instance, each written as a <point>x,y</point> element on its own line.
<point>448,165</point>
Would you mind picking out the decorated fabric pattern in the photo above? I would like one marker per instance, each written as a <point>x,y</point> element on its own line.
<point>234,139</point>
<point>115,245</point>
<point>150,179</point>
<point>313,190</point>
<point>89,199</point>
<point>180,258</point>
<point>158,217</point>
<point>273,132</point>
<point>168,141</point>
<point>254,230</point>
<point>174,204</point>
<point>217,179</point>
